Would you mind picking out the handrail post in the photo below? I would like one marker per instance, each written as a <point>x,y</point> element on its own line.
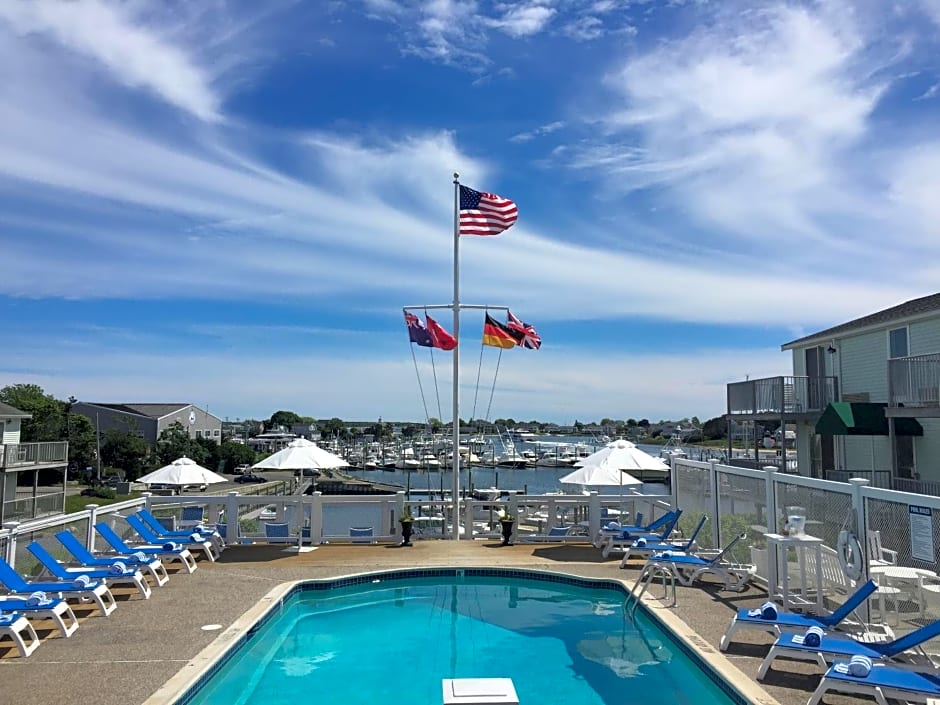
<point>861,525</point>
<point>90,533</point>
<point>514,511</point>
<point>316,517</point>
<point>11,526</point>
<point>713,487</point>
<point>468,513</point>
<point>594,514</point>
<point>231,517</point>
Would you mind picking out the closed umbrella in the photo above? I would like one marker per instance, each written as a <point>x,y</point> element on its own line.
<point>182,471</point>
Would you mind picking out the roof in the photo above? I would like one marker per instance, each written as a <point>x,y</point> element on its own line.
<point>914,307</point>
<point>156,411</point>
<point>11,412</point>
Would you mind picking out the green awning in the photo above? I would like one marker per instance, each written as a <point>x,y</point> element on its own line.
<point>854,418</point>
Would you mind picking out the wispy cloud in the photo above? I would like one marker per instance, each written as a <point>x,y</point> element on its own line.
<point>129,52</point>
<point>525,20</point>
<point>758,125</point>
<point>538,132</point>
<point>557,384</point>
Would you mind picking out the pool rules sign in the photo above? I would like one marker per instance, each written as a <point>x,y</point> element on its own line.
<point>921,533</point>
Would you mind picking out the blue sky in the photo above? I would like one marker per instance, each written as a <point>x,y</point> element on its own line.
<point>229,203</point>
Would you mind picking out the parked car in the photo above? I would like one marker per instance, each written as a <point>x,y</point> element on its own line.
<point>249,477</point>
<point>269,513</point>
<point>241,469</point>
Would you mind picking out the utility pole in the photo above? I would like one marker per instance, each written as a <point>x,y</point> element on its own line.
<point>98,445</point>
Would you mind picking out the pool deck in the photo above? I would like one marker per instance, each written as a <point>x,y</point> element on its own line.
<point>125,658</point>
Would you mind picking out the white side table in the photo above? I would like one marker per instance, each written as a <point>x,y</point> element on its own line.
<point>779,580</point>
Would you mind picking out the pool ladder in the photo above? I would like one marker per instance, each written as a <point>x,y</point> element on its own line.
<point>650,572</point>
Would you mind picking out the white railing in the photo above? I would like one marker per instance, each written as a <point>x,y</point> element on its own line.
<point>321,519</point>
<point>758,502</point>
<point>19,455</point>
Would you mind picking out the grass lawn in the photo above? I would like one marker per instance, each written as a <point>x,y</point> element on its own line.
<point>76,503</point>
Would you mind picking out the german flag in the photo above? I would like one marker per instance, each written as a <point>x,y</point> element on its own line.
<point>497,334</point>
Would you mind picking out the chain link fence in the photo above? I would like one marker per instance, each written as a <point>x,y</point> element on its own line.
<point>694,497</point>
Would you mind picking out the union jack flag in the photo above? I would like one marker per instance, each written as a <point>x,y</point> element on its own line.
<point>525,334</point>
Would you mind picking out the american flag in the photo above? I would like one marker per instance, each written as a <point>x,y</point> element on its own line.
<point>485,213</point>
<point>525,333</point>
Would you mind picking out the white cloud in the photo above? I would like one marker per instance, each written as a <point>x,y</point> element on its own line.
<point>525,20</point>
<point>130,52</point>
<point>754,126</point>
<point>551,384</point>
<point>585,28</point>
<point>546,129</point>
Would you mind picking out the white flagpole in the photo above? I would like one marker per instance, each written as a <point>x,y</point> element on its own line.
<point>455,528</point>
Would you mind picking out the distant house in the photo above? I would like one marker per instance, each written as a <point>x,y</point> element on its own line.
<point>863,398</point>
<point>306,430</point>
<point>150,420</point>
<point>17,458</point>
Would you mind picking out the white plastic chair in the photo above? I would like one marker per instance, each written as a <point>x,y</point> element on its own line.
<point>878,554</point>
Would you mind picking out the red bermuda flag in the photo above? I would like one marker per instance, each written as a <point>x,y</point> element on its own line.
<point>440,337</point>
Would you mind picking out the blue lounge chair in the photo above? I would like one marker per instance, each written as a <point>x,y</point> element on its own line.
<point>191,541</point>
<point>14,625</point>
<point>832,647</point>
<point>362,534</point>
<point>118,574</point>
<point>648,548</point>
<point>278,532</point>
<point>790,622</point>
<point>687,569</point>
<point>884,681</point>
<point>175,534</point>
<point>625,536</point>
<point>81,554</point>
<point>177,552</point>
<point>42,607</point>
<point>96,590</point>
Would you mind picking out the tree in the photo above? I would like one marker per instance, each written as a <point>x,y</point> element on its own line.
<point>174,443</point>
<point>284,418</point>
<point>48,420</point>
<point>335,427</point>
<point>644,423</point>
<point>715,428</point>
<point>236,454</point>
<point>126,451</point>
<point>631,423</point>
<point>82,442</point>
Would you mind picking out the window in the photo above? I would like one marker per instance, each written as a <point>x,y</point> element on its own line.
<point>198,433</point>
<point>216,432</point>
<point>897,343</point>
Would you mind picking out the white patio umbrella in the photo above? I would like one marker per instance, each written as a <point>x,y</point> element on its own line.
<point>624,455</point>
<point>301,454</point>
<point>600,476</point>
<point>182,471</point>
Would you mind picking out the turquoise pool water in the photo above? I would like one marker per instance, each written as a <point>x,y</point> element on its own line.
<point>393,641</point>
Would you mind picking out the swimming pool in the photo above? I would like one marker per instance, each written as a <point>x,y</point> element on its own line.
<point>394,636</point>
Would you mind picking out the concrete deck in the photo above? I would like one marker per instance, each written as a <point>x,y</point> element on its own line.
<point>123,659</point>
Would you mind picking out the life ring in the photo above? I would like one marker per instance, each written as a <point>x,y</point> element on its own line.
<point>850,555</point>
